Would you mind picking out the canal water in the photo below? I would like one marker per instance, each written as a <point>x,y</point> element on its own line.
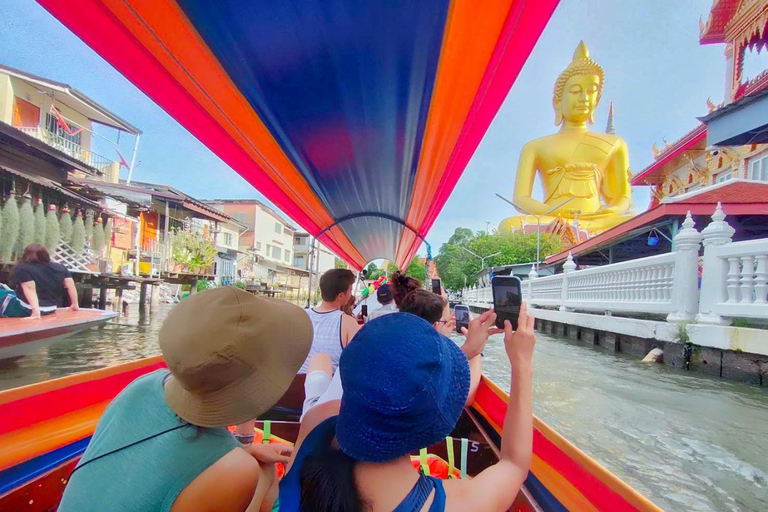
<point>685,441</point>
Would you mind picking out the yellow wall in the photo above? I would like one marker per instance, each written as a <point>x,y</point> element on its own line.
<point>6,99</point>
<point>10,87</point>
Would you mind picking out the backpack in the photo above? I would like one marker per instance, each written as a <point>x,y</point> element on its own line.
<point>10,304</point>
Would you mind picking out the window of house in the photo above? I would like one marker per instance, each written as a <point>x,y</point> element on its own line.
<point>758,169</point>
<point>287,256</point>
<point>269,248</point>
<point>277,252</point>
<point>239,217</point>
<point>278,228</point>
<point>298,261</point>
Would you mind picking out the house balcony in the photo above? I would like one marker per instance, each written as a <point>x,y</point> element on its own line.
<point>301,248</point>
<point>70,148</point>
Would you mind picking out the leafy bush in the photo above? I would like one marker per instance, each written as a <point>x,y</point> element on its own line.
<point>192,250</point>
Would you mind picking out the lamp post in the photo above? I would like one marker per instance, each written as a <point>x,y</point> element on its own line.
<point>482,258</point>
<point>538,222</point>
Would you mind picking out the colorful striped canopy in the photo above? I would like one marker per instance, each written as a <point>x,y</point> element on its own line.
<point>356,118</point>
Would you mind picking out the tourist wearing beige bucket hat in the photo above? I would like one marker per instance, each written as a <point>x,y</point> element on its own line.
<point>230,355</point>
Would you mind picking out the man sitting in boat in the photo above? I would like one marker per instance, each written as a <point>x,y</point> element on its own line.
<point>163,444</point>
<point>332,328</point>
<point>387,301</point>
<point>325,386</point>
<point>407,386</point>
<point>39,284</point>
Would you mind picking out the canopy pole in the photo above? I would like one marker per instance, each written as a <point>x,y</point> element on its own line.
<point>310,267</point>
<point>133,159</point>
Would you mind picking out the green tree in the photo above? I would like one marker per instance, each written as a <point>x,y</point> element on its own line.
<point>417,270</point>
<point>341,263</point>
<point>374,272</point>
<point>455,265</point>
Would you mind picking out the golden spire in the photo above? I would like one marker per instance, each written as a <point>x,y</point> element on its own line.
<point>656,151</point>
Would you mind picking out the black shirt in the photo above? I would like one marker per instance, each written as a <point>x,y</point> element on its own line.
<point>49,281</point>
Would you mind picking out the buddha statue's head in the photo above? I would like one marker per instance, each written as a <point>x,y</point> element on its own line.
<point>578,89</point>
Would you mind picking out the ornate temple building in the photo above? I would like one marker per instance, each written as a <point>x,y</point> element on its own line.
<point>695,172</point>
<point>690,164</point>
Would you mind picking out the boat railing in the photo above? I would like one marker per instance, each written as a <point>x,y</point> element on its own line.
<point>730,281</point>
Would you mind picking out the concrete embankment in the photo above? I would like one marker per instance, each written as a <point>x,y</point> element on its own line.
<point>734,353</point>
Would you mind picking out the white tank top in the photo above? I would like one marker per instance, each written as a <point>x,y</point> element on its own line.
<point>327,336</point>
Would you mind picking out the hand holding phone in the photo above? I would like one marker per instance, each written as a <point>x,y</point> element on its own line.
<point>462,317</point>
<point>437,287</point>
<point>364,309</point>
<point>507,297</point>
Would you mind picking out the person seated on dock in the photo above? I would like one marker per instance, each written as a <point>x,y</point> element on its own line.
<point>39,283</point>
<point>333,329</point>
<point>163,444</point>
<point>407,387</point>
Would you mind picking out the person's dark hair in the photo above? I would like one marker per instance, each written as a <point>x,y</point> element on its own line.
<point>328,481</point>
<point>424,304</point>
<point>35,253</point>
<point>402,285</point>
<point>334,282</point>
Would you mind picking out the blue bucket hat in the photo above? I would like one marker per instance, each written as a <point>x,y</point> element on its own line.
<point>405,386</point>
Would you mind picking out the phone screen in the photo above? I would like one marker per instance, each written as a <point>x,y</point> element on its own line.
<point>462,317</point>
<point>364,309</point>
<point>436,288</point>
<point>506,300</point>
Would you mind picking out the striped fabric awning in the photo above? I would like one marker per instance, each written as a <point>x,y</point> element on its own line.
<point>356,118</point>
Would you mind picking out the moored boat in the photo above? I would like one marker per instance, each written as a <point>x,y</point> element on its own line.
<point>21,336</point>
<point>47,426</point>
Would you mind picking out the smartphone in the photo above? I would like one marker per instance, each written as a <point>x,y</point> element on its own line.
<point>364,309</point>
<point>507,297</point>
<point>462,317</point>
<point>436,288</point>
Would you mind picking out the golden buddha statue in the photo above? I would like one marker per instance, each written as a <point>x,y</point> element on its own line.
<point>589,171</point>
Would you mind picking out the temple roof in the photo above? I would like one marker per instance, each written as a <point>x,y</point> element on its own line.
<point>670,158</point>
<point>738,197</point>
<point>713,31</point>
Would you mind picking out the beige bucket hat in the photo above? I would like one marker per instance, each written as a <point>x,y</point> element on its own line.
<point>231,354</point>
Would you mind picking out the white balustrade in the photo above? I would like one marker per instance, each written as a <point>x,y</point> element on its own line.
<point>734,281</point>
<point>746,283</point>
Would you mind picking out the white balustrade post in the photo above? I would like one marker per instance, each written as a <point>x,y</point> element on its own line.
<point>685,286</point>
<point>568,267</point>
<point>531,276</point>
<point>714,269</point>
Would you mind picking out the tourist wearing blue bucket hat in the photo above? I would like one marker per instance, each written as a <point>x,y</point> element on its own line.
<point>405,389</point>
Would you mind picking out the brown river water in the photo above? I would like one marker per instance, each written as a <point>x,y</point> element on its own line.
<point>685,441</point>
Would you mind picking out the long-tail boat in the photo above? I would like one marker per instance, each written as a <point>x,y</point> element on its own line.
<point>20,336</point>
<point>355,118</point>
<point>46,428</point>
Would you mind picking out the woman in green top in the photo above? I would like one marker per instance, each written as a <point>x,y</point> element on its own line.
<point>163,445</point>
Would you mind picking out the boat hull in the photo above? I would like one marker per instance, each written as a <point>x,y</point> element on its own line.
<point>21,336</point>
<point>47,427</point>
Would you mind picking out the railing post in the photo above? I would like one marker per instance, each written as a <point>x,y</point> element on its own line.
<point>531,276</point>
<point>714,269</point>
<point>685,276</point>
<point>568,267</point>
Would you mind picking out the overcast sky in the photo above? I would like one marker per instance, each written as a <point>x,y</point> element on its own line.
<point>657,74</point>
